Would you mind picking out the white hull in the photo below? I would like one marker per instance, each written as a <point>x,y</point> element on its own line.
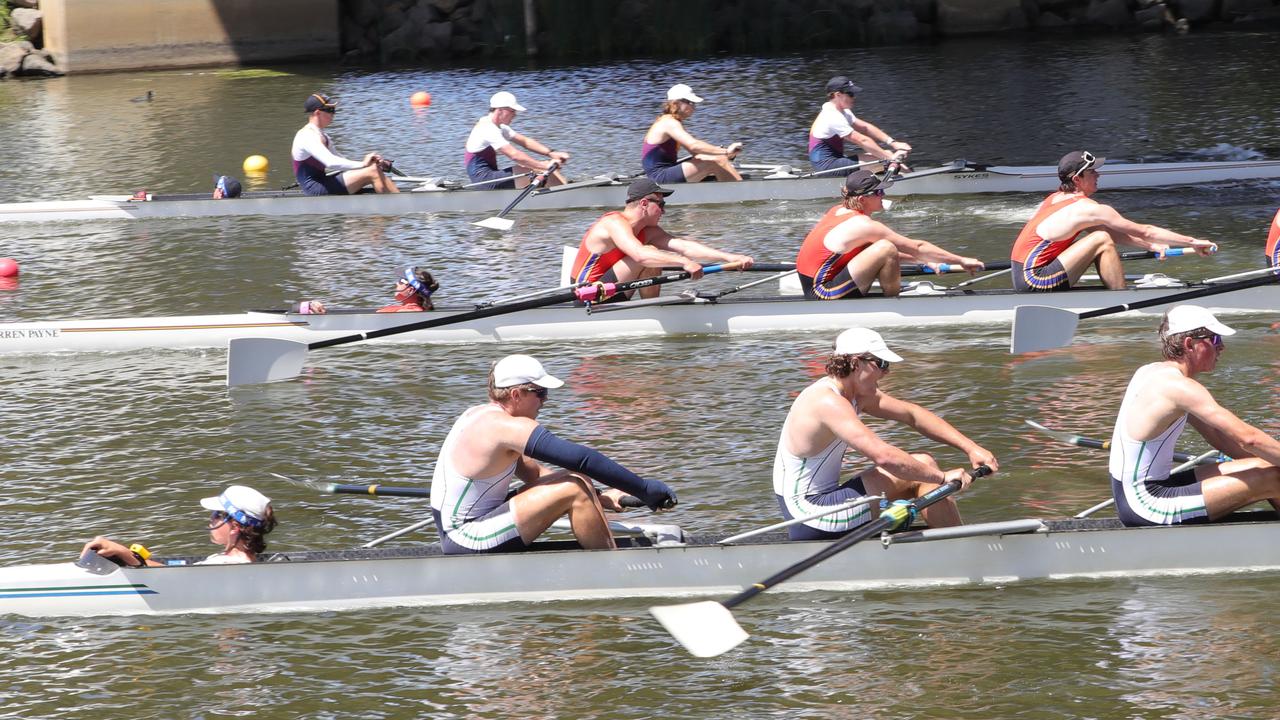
<point>568,323</point>
<point>991,553</point>
<point>432,199</point>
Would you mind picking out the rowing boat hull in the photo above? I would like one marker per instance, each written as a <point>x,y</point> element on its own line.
<point>991,553</point>
<point>930,307</point>
<point>589,194</point>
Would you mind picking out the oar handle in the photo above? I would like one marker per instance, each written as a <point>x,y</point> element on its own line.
<point>1179,297</point>
<point>887,520</point>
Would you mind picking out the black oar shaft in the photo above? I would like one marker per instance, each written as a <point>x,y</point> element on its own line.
<point>1180,297</point>
<point>380,491</point>
<point>529,188</point>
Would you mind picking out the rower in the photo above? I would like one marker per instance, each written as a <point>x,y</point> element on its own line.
<point>1161,399</point>
<point>314,155</point>
<point>489,445</point>
<point>239,520</point>
<point>825,420</point>
<point>1070,231</point>
<point>847,250</point>
<point>836,123</point>
<point>1273,242</point>
<point>628,244</point>
<point>492,134</point>
<point>225,186</point>
<point>413,292</point>
<point>658,155</point>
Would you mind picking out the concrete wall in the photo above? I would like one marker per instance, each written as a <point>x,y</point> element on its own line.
<point>94,35</point>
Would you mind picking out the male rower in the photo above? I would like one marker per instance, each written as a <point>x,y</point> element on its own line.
<point>825,420</point>
<point>847,250</point>
<point>314,156</point>
<point>1273,242</point>
<point>1161,399</point>
<point>836,123</point>
<point>492,134</point>
<point>628,244</point>
<point>1070,231</point>
<point>489,445</point>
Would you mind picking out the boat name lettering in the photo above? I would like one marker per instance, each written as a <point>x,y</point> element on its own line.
<point>971,176</point>
<point>36,333</point>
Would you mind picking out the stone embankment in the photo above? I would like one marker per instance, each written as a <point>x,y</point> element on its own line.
<point>21,56</point>
<point>400,31</point>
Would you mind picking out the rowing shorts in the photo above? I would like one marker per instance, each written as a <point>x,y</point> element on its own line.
<point>1046,278</point>
<point>842,277</point>
<point>478,171</point>
<point>314,181</point>
<point>830,527</point>
<point>608,277</point>
<point>493,533</point>
<point>829,163</point>
<point>1177,500</point>
<point>666,174</point>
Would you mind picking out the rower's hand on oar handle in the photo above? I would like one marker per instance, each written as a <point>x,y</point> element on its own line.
<point>559,156</point>
<point>740,262</point>
<point>901,147</point>
<point>1204,248</point>
<point>668,501</point>
<point>981,457</point>
<point>733,150</point>
<point>972,265</point>
<point>693,268</point>
<point>966,476</point>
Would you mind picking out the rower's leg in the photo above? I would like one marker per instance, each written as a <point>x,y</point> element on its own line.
<point>878,262</point>
<point>626,270</point>
<point>1096,248</point>
<point>1232,485</point>
<point>943,513</point>
<point>548,499</point>
<point>704,166</point>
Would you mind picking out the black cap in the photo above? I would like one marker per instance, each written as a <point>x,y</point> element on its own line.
<point>840,83</point>
<point>861,182</point>
<point>644,186</point>
<point>319,102</point>
<point>229,186</point>
<point>1074,163</point>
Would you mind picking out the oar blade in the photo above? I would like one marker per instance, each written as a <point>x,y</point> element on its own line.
<point>496,223</point>
<point>251,361</point>
<point>1039,327</point>
<point>705,629</point>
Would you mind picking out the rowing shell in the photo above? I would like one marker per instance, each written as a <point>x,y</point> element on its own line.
<point>434,197</point>
<point>642,567</point>
<point>925,304</point>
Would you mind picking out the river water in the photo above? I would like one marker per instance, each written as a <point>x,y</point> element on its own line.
<point>126,444</point>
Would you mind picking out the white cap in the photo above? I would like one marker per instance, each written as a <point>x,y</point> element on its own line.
<point>244,504</point>
<point>505,99</point>
<point>1185,318</point>
<point>515,370</point>
<point>864,341</point>
<point>682,92</point>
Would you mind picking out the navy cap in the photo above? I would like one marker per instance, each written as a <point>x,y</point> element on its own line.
<point>644,186</point>
<point>1074,163</point>
<point>862,182</point>
<point>842,84</point>
<point>320,102</point>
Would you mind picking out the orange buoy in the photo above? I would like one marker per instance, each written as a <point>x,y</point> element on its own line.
<point>420,99</point>
<point>8,267</point>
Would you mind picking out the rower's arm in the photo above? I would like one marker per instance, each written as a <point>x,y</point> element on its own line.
<point>869,137</point>
<point>931,425</point>
<point>1151,237</point>
<point>332,161</point>
<point>692,144</point>
<point>839,416</point>
<point>521,157</point>
<point>705,253</point>
<point>652,254</point>
<point>545,446</point>
<point>1223,429</point>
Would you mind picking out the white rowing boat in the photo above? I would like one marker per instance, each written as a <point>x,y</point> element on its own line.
<point>643,567</point>
<point>782,184</point>
<point>924,304</point>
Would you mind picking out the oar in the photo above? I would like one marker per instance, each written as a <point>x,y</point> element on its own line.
<point>865,500</point>
<point>1004,268</point>
<point>1039,327</point>
<point>708,629</point>
<point>500,221</point>
<point>261,360</point>
<point>353,489</point>
<point>1084,442</point>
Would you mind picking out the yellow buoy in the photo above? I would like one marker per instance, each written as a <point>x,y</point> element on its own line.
<point>420,99</point>
<point>256,164</point>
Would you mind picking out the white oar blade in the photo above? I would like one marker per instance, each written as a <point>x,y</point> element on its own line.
<point>262,360</point>
<point>1038,327</point>
<point>705,629</point>
<point>496,223</point>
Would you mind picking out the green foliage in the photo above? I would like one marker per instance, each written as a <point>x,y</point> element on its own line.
<point>6,30</point>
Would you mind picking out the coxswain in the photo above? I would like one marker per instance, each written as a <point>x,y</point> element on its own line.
<point>847,250</point>
<point>226,187</point>
<point>628,244</point>
<point>1273,242</point>
<point>491,445</point>
<point>836,123</point>
<point>492,134</point>
<point>314,156</point>
<point>1070,231</point>
<point>1162,398</point>
<point>658,155</point>
<point>239,521</point>
<point>413,292</point>
<point>825,420</point>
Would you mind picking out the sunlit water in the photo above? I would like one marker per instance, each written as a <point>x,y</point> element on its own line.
<point>126,444</point>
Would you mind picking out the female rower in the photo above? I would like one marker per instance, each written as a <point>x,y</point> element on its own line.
<point>659,153</point>
<point>239,520</point>
<point>413,292</point>
<point>837,123</point>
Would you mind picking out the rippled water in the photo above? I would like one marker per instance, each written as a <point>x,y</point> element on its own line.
<point>126,444</point>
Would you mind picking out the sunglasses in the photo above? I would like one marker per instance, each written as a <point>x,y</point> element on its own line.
<point>661,203</point>
<point>1089,160</point>
<point>880,363</point>
<point>1215,338</point>
<point>541,392</point>
<point>217,519</point>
